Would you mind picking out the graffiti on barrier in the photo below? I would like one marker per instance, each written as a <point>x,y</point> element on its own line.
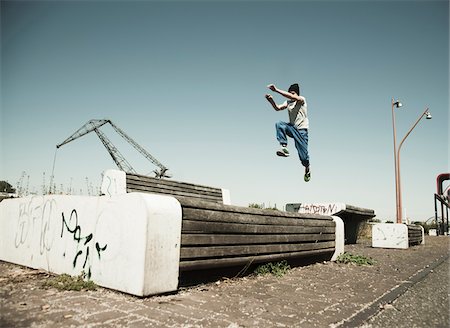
<point>323,209</point>
<point>84,244</point>
<point>35,215</point>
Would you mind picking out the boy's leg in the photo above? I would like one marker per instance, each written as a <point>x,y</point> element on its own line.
<point>282,130</point>
<point>301,143</point>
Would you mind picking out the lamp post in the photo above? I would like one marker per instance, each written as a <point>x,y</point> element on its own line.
<point>427,114</point>
<point>395,104</point>
<point>398,190</point>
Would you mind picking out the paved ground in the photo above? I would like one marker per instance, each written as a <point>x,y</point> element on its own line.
<point>424,304</point>
<point>405,288</point>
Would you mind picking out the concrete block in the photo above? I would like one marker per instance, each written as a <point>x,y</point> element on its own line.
<point>114,182</point>
<point>390,235</point>
<point>128,242</point>
<point>226,196</point>
<point>340,237</point>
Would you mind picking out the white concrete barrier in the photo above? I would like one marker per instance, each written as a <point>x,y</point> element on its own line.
<point>128,242</point>
<point>396,235</point>
<point>390,235</point>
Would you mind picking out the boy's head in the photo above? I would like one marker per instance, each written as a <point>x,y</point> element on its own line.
<point>295,88</point>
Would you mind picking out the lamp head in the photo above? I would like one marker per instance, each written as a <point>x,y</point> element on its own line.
<point>428,116</point>
<point>397,104</point>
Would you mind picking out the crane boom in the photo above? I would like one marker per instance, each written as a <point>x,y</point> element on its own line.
<point>119,159</point>
<point>85,129</point>
<point>140,149</point>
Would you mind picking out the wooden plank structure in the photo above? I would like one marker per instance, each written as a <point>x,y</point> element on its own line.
<point>143,183</point>
<point>216,235</point>
<point>414,234</point>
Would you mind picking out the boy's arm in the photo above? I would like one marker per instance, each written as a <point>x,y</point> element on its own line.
<point>274,105</point>
<point>286,93</point>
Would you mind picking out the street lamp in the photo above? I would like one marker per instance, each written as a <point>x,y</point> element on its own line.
<point>398,189</point>
<point>395,104</point>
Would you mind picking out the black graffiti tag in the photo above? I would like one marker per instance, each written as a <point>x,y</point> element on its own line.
<point>74,228</point>
<point>319,209</point>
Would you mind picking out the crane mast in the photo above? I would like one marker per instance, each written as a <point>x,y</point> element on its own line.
<point>119,159</point>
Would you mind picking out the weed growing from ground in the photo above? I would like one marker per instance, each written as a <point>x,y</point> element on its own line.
<point>277,269</point>
<point>355,259</point>
<point>67,282</point>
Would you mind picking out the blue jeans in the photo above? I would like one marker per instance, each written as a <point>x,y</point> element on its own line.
<point>300,137</point>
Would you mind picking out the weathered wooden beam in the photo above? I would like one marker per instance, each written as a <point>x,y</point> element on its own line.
<point>241,250</point>
<point>219,227</point>
<point>141,183</point>
<point>198,204</point>
<point>169,190</point>
<point>175,193</point>
<point>197,214</point>
<point>219,239</point>
<point>164,183</point>
<point>246,260</point>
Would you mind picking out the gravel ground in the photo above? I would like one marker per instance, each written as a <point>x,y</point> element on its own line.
<point>324,294</point>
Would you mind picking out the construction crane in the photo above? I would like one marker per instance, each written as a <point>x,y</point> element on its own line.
<point>119,159</point>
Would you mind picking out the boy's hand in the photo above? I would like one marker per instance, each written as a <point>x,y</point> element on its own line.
<point>272,87</point>
<point>269,97</point>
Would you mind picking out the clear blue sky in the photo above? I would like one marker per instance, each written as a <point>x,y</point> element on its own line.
<point>186,80</point>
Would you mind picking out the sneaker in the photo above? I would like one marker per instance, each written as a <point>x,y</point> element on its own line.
<point>307,176</point>
<point>283,152</point>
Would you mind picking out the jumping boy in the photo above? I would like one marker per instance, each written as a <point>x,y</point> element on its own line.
<point>298,125</point>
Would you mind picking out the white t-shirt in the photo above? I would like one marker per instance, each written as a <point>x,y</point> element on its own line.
<point>298,113</point>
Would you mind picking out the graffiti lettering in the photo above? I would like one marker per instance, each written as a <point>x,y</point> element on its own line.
<point>35,214</point>
<point>72,227</point>
<point>327,209</point>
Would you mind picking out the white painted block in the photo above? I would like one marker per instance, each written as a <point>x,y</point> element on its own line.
<point>226,198</point>
<point>114,182</point>
<point>390,235</point>
<point>340,237</point>
<point>128,242</point>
